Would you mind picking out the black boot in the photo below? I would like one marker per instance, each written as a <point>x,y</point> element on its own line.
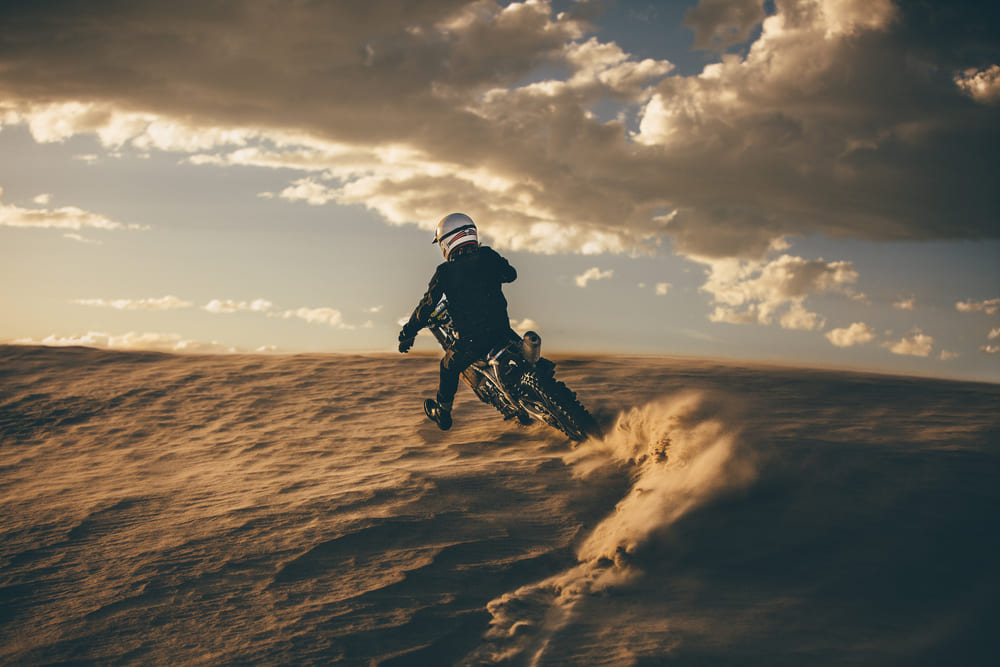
<point>438,414</point>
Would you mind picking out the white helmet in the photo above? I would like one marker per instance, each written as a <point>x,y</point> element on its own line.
<point>454,230</point>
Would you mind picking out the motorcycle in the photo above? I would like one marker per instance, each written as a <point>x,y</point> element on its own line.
<point>516,380</point>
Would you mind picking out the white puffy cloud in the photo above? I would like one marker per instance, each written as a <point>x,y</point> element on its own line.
<point>662,288</point>
<point>856,334</point>
<point>57,122</point>
<point>597,69</point>
<point>981,85</point>
<point>851,17</point>
<point>747,291</point>
<point>800,48</point>
<point>162,303</point>
<point>167,342</point>
<point>732,316</point>
<point>225,306</point>
<point>988,306</point>
<point>310,191</point>
<point>991,348</point>
<point>66,217</point>
<point>905,303</point>
<point>593,273</point>
<point>797,317</point>
<point>917,344</point>
<point>322,315</point>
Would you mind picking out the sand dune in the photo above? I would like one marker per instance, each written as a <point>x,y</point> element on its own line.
<point>166,509</point>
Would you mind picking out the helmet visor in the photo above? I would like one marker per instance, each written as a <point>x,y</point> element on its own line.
<point>444,237</point>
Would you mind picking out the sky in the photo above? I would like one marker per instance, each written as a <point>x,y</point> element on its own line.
<point>797,181</point>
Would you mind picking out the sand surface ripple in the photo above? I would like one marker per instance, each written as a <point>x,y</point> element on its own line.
<point>168,509</point>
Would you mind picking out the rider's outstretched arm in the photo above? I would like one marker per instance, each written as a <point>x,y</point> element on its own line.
<point>421,314</point>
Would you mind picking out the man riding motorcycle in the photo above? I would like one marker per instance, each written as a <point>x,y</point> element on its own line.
<point>471,277</point>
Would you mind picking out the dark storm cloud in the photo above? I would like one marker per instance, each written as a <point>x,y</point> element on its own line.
<point>340,67</point>
<point>838,121</point>
<point>843,119</point>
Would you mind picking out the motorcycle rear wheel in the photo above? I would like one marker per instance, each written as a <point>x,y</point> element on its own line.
<point>558,405</point>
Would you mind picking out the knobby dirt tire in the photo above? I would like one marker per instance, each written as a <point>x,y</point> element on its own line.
<point>565,411</point>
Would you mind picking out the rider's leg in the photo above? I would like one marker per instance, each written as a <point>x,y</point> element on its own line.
<point>454,362</point>
<point>439,410</point>
<point>448,383</point>
<point>452,365</point>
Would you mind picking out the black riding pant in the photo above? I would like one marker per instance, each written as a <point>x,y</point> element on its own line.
<point>460,357</point>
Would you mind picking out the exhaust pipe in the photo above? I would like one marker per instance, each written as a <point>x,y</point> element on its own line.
<point>531,347</point>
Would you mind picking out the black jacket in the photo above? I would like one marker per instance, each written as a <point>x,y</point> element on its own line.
<point>472,282</point>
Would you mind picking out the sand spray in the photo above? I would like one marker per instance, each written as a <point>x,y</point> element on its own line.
<point>681,453</point>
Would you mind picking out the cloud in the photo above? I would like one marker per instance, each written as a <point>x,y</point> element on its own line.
<point>981,85</point>
<point>590,274</point>
<point>856,334</point>
<point>917,344</point>
<point>991,348</point>
<point>797,317</point>
<point>225,306</point>
<point>162,303</point>
<point>906,303</point>
<point>721,23</point>
<point>79,238</point>
<point>42,199</point>
<point>746,291</point>
<point>323,315</point>
<point>844,119</point>
<point>662,288</point>
<point>166,342</point>
<point>309,191</point>
<point>767,114</point>
<point>989,306</point>
<point>66,217</point>
<point>948,355</point>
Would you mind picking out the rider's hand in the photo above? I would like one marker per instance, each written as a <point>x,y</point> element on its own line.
<point>405,342</point>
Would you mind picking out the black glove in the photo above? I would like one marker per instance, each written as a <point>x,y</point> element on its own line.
<point>405,341</point>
